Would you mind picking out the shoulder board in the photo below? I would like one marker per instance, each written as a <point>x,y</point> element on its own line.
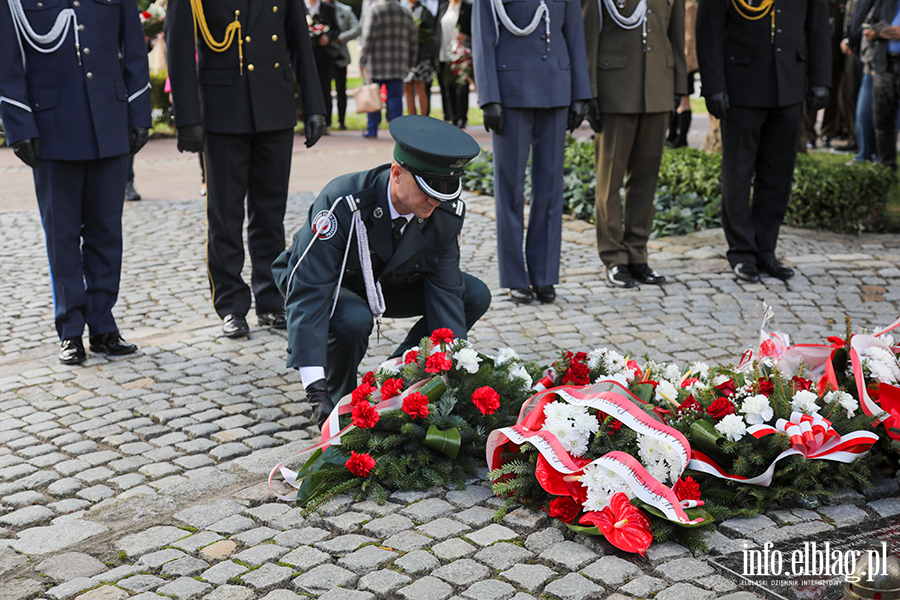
<point>457,207</point>
<point>351,202</point>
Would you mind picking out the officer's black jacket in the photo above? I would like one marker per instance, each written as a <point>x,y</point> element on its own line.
<point>428,255</point>
<point>739,56</point>
<point>276,49</point>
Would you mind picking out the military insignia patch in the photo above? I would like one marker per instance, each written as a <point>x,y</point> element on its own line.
<point>324,225</point>
<point>378,212</point>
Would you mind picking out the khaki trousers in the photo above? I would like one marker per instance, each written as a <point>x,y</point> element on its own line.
<point>628,149</point>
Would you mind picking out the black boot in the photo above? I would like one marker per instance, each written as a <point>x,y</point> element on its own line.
<point>673,130</point>
<point>684,125</point>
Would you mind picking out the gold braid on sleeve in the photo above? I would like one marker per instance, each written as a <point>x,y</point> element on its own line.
<point>233,29</point>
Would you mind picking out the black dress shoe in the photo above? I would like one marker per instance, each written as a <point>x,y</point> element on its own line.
<point>620,276</point>
<point>521,295</point>
<point>642,273</point>
<point>747,271</point>
<point>111,343</point>
<point>775,268</point>
<point>71,351</point>
<point>276,319</point>
<point>544,293</point>
<point>234,326</point>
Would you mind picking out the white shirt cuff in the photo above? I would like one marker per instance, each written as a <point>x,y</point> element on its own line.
<point>311,374</point>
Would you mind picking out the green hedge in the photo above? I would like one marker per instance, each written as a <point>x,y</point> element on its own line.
<point>826,194</point>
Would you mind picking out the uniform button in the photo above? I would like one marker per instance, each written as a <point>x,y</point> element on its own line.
<point>274,9</point>
<point>40,5</point>
<point>277,65</point>
<point>87,50</point>
<point>237,13</point>
<point>76,4</point>
<point>649,12</point>
<point>247,39</point>
<point>778,11</point>
<point>81,28</point>
<point>37,104</point>
<point>503,66</point>
<point>730,58</point>
<point>421,221</point>
<point>89,75</point>
<point>649,31</point>
<point>250,67</point>
<point>605,64</point>
<point>543,57</point>
<point>417,266</point>
<point>274,38</point>
<point>778,31</point>
<point>777,49</point>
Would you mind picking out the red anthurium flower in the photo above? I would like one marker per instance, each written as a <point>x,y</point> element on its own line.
<point>561,484</point>
<point>720,408</point>
<point>361,393</point>
<point>687,489</point>
<point>689,381</point>
<point>364,416</point>
<point>638,374</point>
<point>360,464</point>
<point>391,388</point>
<point>836,342</point>
<point>442,336</point>
<point>486,400</point>
<point>416,405</point>
<point>727,388</point>
<point>369,378</point>
<point>624,525</point>
<point>410,357</point>
<point>437,362</point>
<point>564,508</point>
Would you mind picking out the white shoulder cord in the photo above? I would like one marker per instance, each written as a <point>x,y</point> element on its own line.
<point>373,288</point>
<point>57,34</point>
<point>541,12</point>
<point>637,19</point>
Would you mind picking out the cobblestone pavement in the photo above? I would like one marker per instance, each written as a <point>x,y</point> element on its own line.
<point>144,476</point>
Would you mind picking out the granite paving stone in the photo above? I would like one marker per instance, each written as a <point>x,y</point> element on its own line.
<point>417,562</point>
<point>304,558</point>
<point>544,539</point>
<point>503,555</point>
<point>141,583</point>
<point>343,594</point>
<point>570,555</point>
<point>323,578</point>
<point>407,541</point>
<point>442,528</point>
<point>238,592</point>
<point>345,543</point>
<point>428,510</point>
<point>154,560</point>
<point>194,542</point>
<point>152,539</point>
<point>463,571</point>
<point>383,527</point>
<point>491,534</point>
<point>222,572</point>
<point>475,516</point>
<point>426,588</point>
<point>452,549</point>
<point>685,591</point>
<point>347,522</point>
<point>70,588</point>
<point>268,575</point>
<point>611,571</point>
<point>643,586</point>
<point>684,569</point>
<point>530,577</point>
<point>187,566</point>
<point>490,589</point>
<point>296,537</point>
<point>184,588</point>
<point>573,587</point>
<point>383,581</point>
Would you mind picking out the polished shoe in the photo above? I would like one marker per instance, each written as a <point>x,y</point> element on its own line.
<point>775,268</point>
<point>130,193</point>
<point>234,326</point>
<point>620,276</point>
<point>71,351</point>
<point>521,295</point>
<point>642,273</point>
<point>111,343</point>
<point>275,319</point>
<point>544,293</point>
<point>342,127</point>
<point>321,411</point>
<point>747,271</point>
<point>369,134</point>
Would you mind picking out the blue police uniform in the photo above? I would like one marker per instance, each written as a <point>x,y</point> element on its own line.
<point>79,100</point>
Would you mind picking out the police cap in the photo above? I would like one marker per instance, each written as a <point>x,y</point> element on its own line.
<point>434,152</point>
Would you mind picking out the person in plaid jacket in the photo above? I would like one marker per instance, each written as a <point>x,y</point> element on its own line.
<point>390,44</point>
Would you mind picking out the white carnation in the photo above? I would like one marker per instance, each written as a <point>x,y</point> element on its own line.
<point>845,400</point>
<point>389,367</point>
<point>522,374</point>
<point>806,402</point>
<point>672,372</point>
<point>506,355</point>
<point>732,427</point>
<point>586,422</point>
<point>719,380</point>
<point>757,409</point>
<point>667,391</point>
<point>467,360</point>
<point>700,370</point>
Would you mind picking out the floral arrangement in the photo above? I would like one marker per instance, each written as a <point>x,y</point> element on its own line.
<point>153,19</point>
<point>416,422</point>
<point>316,29</point>
<point>461,62</point>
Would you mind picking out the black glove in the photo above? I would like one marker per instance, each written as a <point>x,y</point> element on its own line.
<point>577,111</point>
<point>594,116</point>
<point>190,138</point>
<point>137,137</point>
<point>816,98</point>
<point>718,105</point>
<point>28,151</point>
<point>493,118</point>
<point>315,128</point>
<point>318,398</point>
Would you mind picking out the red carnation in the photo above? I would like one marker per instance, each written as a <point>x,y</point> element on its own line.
<point>720,408</point>
<point>416,405</point>
<point>369,378</point>
<point>437,362</point>
<point>486,399</point>
<point>564,508</point>
<point>364,416</point>
<point>727,388</point>
<point>765,387</point>
<point>410,357</point>
<point>687,489</point>
<point>689,404</point>
<point>391,388</point>
<point>360,464</point>
<point>800,383</point>
<point>442,336</point>
<point>689,381</point>
<point>577,374</point>
<point>362,392</point>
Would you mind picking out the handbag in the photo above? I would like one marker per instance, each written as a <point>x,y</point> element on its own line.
<point>367,96</point>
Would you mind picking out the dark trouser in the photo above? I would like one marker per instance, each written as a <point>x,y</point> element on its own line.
<point>352,322</point>
<point>759,147</point>
<point>325,69</point>
<point>340,88</point>
<point>543,131</point>
<point>81,211</point>
<point>628,148</point>
<point>885,99</point>
<point>130,168</point>
<point>454,96</point>
<point>255,166</point>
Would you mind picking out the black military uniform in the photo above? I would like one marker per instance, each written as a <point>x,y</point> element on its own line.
<point>241,90</point>
<point>329,309</point>
<point>756,64</point>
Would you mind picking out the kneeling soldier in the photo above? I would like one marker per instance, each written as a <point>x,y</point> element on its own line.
<point>379,243</point>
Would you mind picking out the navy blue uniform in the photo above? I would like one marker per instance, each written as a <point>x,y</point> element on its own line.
<point>80,105</point>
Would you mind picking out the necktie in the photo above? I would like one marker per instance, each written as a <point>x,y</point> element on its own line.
<point>398,224</point>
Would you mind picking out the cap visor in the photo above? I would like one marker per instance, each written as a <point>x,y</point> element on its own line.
<point>441,190</point>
